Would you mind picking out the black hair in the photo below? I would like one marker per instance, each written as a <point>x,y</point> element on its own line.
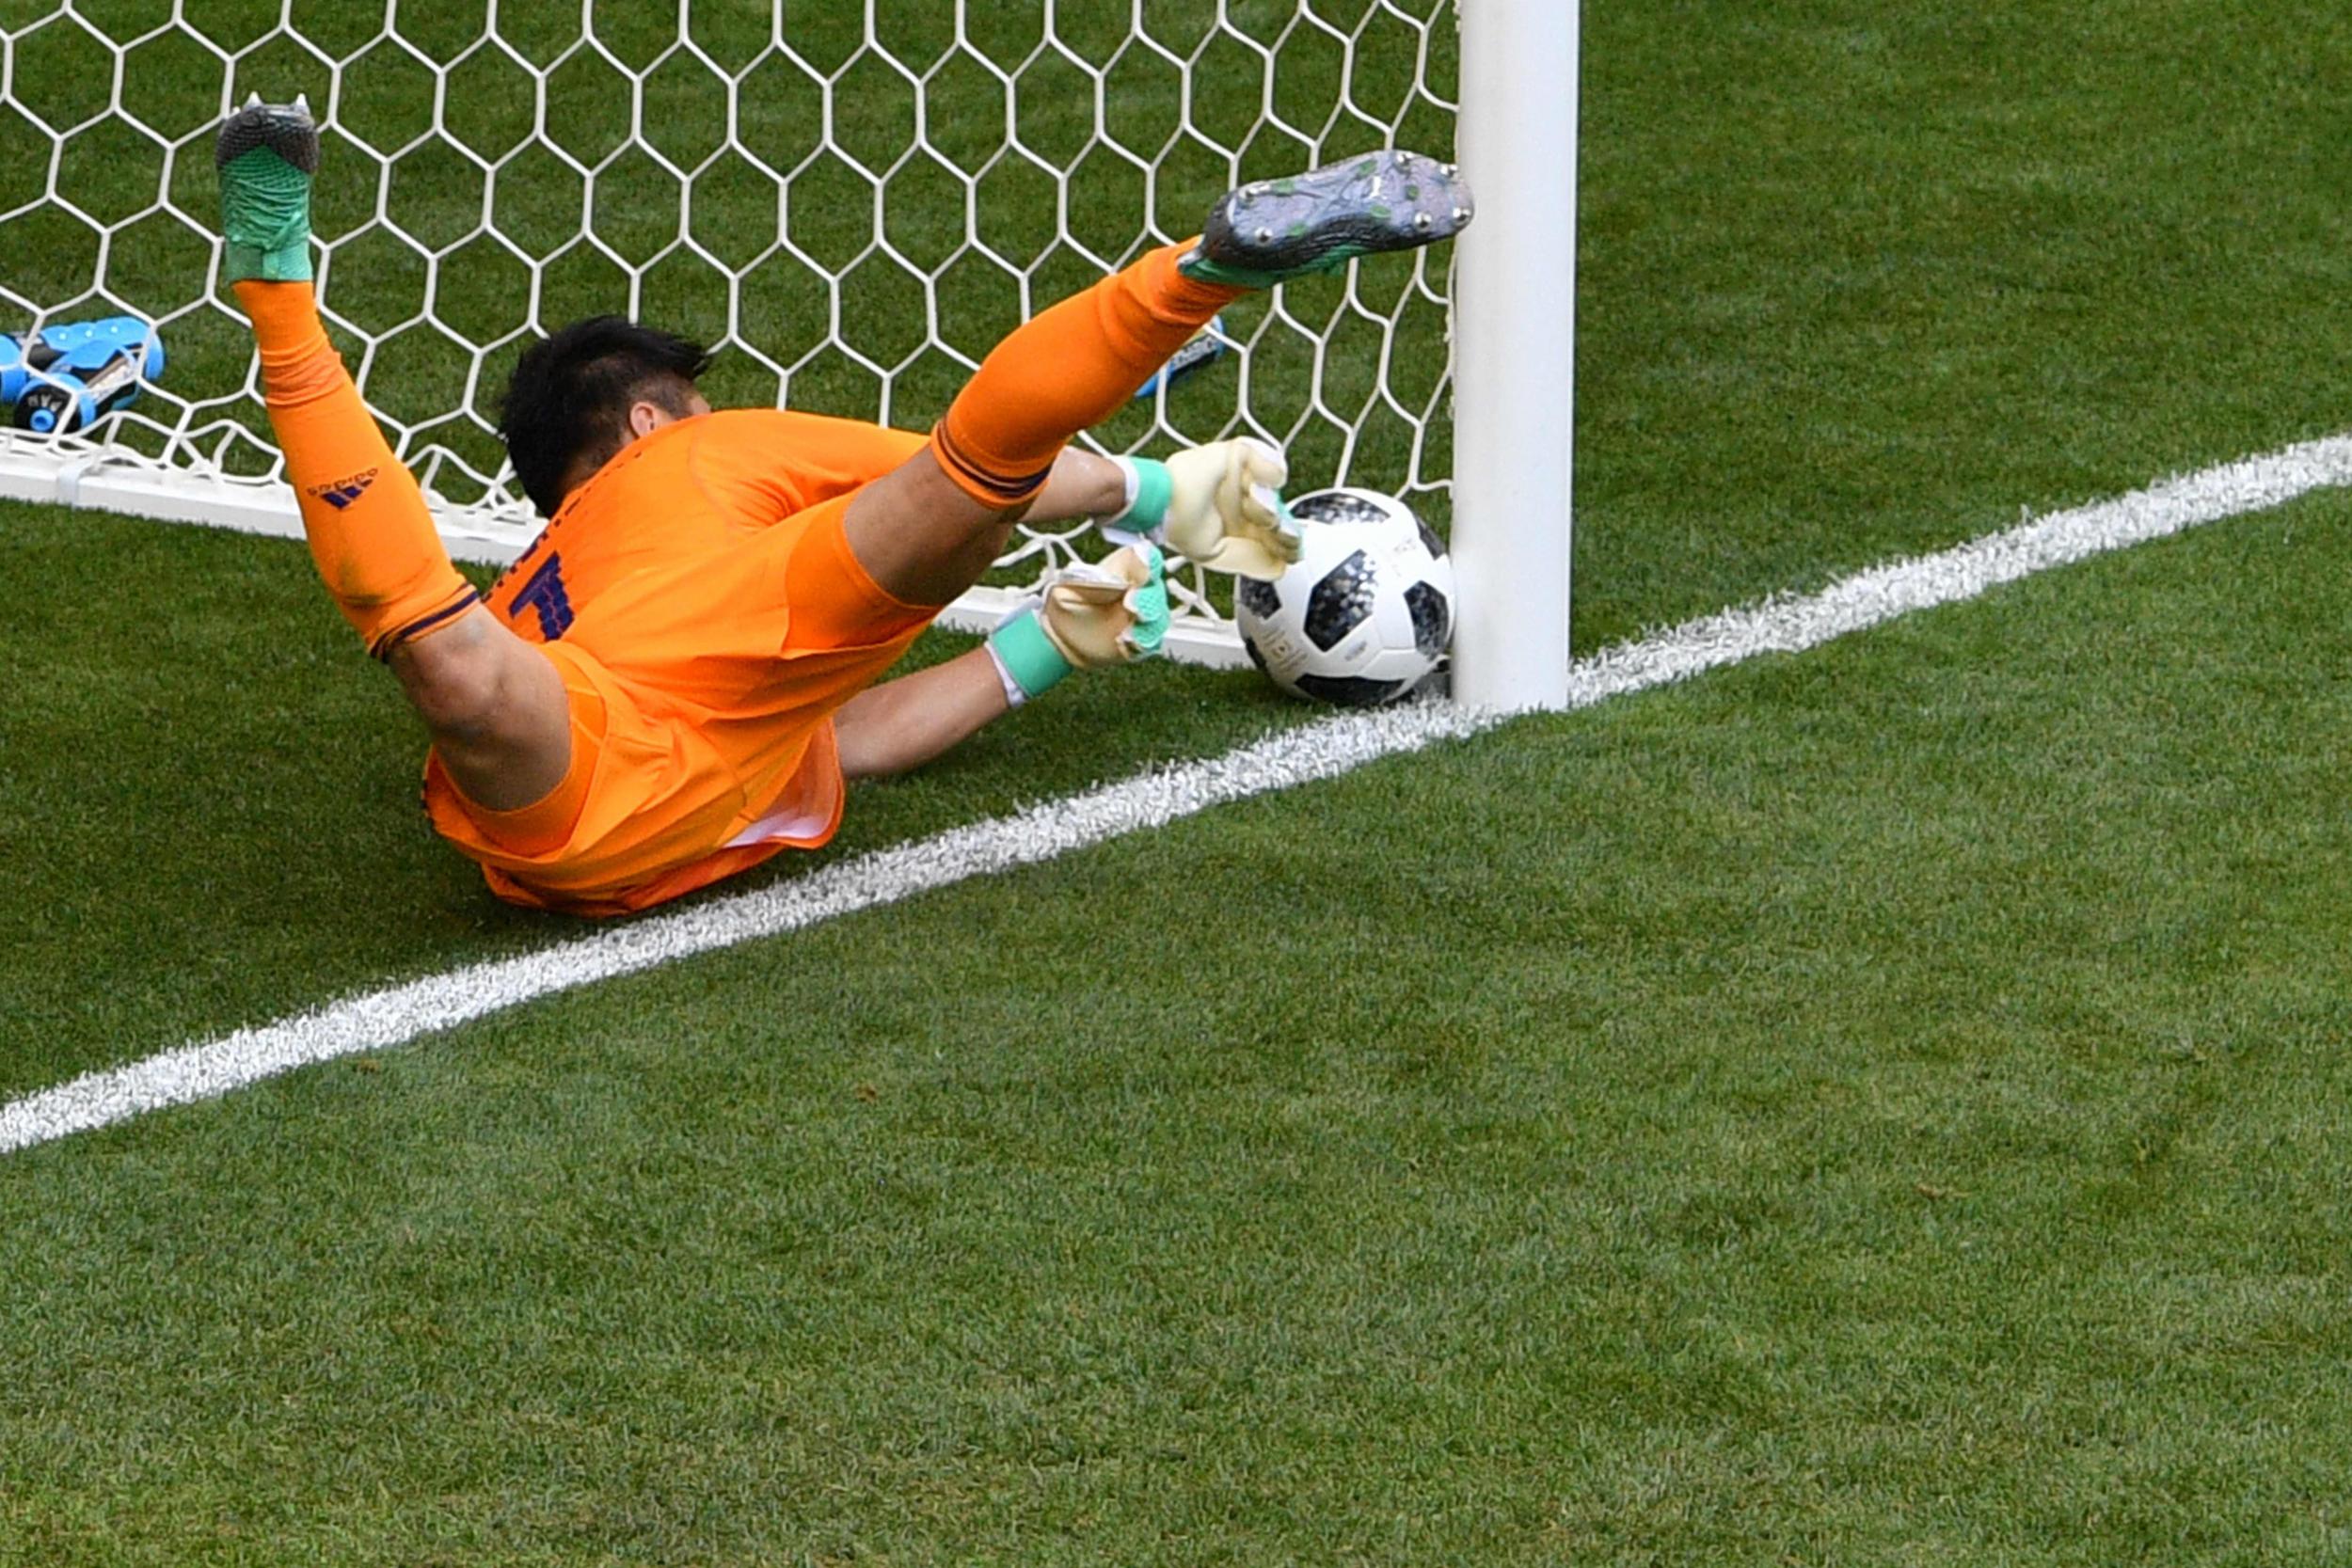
<point>567,403</point>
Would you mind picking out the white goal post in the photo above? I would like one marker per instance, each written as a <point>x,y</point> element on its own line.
<point>851,201</point>
<point>1515,335</point>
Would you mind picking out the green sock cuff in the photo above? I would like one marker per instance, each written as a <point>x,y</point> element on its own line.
<point>1154,488</point>
<point>1028,656</point>
<point>242,263</point>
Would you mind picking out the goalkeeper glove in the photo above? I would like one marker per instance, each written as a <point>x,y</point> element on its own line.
<point>1221,505</point>
<point>1089,616</point>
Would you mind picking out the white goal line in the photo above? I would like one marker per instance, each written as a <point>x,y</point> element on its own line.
<point>380,1019</point>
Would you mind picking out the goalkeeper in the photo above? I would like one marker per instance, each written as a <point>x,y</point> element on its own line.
<point>675,682</point>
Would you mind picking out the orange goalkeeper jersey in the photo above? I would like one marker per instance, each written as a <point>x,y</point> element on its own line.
<point>699,599</point>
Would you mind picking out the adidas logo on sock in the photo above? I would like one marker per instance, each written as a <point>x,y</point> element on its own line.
<point>344,491</point>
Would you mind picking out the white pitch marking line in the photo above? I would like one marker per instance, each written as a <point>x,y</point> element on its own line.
<point>380,1019</point>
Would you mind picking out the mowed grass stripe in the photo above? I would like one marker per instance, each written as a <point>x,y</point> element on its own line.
<point>394,1016</point>
<point>1878,1107</point>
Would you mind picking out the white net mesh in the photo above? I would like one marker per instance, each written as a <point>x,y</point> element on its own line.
<point>852,203</point>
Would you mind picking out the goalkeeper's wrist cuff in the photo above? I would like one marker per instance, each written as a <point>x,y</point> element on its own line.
<point>1026,660</point>
<point>1150,488</point>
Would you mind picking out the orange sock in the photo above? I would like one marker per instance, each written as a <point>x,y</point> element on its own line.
<point>362,512</point>
<point>1071,367</point>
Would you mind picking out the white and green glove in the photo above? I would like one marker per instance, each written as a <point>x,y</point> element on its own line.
<point>1089,616</point>
<point>1221,505</point>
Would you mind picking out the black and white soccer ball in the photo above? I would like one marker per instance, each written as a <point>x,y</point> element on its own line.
<point>1365,613</point>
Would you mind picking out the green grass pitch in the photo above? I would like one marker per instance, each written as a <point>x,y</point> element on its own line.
<point>1879,1106</point>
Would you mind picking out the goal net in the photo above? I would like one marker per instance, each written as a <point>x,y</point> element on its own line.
<point>854,203</point>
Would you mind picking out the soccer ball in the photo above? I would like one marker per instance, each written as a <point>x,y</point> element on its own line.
<point>1365,613</point>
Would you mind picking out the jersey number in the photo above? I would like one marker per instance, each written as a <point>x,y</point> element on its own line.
<point>545,593</point>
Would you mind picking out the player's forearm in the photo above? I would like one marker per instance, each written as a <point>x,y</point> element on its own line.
<point>1081,485</point>
<point>904,723</point>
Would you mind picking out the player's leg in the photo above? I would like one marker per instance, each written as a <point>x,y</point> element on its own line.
<point>928,529</point>
<point>925,530</point>
<point>495,705</point>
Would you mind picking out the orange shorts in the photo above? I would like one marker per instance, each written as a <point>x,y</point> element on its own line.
<point>702,699</point>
